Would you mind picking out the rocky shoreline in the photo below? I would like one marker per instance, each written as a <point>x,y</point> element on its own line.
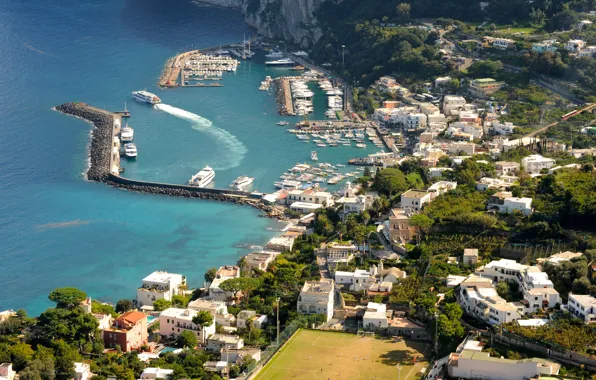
<point>99,170</point>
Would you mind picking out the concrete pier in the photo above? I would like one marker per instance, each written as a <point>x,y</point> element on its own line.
<point>284,96</point>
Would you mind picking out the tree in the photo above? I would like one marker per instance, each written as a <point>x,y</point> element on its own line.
<point>210,274</point>
<point>203,319</point>
<point>503,290</point>
<point>102,308</point>
<point>65,358</point>
<point>365,217</point>
<point>39,369</point>
<point>403,11</point>
<point>123,306</point>
<point>390,181</point>
<point>240,284</point>
<point>581,286</point>
<point>485,68</point>
<point>180,301</point>
<point>67,298</point>
<point>341,230</point>
<point>323,225</point>
<point>161,304</point>
<point>20,354</point>
<point>187,339</point>
<point>422,223</point>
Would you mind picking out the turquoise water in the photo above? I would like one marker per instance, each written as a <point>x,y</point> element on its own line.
<point>58,229</point>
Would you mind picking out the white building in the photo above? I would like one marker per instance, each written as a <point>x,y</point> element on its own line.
<point>223,273</point>
<point>534,163</point>
<point>151,373</point>
<point>216,308</point>
<point>415,199</point>
<point>159,285</point>
<point>280,243</point>
<point>375,316</point>
<point>316,297</point>
<point>582,306</point>
<point>479,298</point>
<point>470,256</point>
<point>575,46</point>
<point>218,342</point>
<point>506,167</point>
<point>245,317</point>
<point>503,43</point>
<point>486,183</point>
<point>453,102</point>
<point>505,128</point>
<point>174,321</point>
<point>308,196</point>
<point>358,280</point>
<point>6,371</point>
<point>305,207</point>
<point>460,129</point>
<point>471,364</point>
<point>440,188</point>
<point>558,258</point>
<point>544,46</point>
<point>587,52</point>
<point>82,371</point>
<point>505,203</point>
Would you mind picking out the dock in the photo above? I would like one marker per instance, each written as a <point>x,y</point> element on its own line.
<point>172,70</point>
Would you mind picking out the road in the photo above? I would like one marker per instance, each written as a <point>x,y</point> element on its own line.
<point>588,108</point>
<point>438,368</point>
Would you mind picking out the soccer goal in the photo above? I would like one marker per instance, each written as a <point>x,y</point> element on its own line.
<point>363,333</point>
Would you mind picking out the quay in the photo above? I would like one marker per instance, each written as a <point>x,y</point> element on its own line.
<point>105,162</point>
<point>169,78</point>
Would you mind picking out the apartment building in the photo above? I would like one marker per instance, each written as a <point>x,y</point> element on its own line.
<point>415,199</point>
<point>159,285</point>
<point>582,306</point>
<point>534,163</point>
<point>484,88</point>
<point>316,297</point>
<point>174,321</point>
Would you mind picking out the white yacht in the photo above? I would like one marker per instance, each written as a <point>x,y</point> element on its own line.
<point>280,62</point>
<point>146,97</point>
<point>202,178</point>
<point>314,156</point>
<point>127,134</point>
<point>130,150</point>
<point>242,181</point>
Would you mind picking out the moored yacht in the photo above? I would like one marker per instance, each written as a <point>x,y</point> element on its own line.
<point>241,182</point>
<point>127,134</point>
<point>280,62</point>
<point>130,150</point>
<point>314,156</point>
<point>146,97</point>
<point>202,178</point>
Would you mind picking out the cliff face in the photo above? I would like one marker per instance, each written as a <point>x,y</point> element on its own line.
<point>291,20</point>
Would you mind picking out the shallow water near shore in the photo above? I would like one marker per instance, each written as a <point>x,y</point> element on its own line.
<point>58,229</point>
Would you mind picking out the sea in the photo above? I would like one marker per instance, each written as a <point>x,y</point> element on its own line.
<point>58,229</point>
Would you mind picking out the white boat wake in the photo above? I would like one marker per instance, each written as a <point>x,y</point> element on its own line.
<point>223,139</point>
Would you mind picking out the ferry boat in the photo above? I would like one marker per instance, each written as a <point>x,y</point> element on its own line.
<point>127,134</point>
<point>242,181</point>
<point>202,178</point>
<point>130,150</point>
<point>146,97</point>
<point>280,62</point>
<point>314,156</point>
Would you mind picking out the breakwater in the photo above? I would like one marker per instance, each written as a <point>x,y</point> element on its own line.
<point>101,157</point>
<point>284,96</point>
<point>101,137</point>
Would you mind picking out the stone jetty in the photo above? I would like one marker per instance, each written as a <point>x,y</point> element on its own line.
<point>284,96</point>
<point>100,156</point>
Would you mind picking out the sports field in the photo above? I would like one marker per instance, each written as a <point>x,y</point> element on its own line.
<point>313,354</point>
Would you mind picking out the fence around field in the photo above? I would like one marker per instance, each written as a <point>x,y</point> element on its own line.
<point>268,353</point>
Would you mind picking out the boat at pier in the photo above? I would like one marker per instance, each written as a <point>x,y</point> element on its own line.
<point>280,62</point>
<point>127,134</point>
<point>274,54</point>
<point>130,150</point>
<point>146,97</point>
<point>242,181</point>
<point>288,184</point>
<point>202,178</point>
<point>314,156</point>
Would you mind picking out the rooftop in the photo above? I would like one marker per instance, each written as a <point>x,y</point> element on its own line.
<point>228,271</point>
<point>163,277</point>
<point>317,286</point>
<point>132,317</point>
<point>471,252</point>
<point>414,194</point>
<point>175,312</point>
<point>226,338</point>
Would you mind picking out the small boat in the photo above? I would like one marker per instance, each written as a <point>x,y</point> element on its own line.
<point>287,184</point>
<point>361,145</point>
<point>202,178</point>
<point>321,145</point>
<point>130,150</point>
<point>241,182</point>
<point>314,156</point>
<point>282,123</point>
